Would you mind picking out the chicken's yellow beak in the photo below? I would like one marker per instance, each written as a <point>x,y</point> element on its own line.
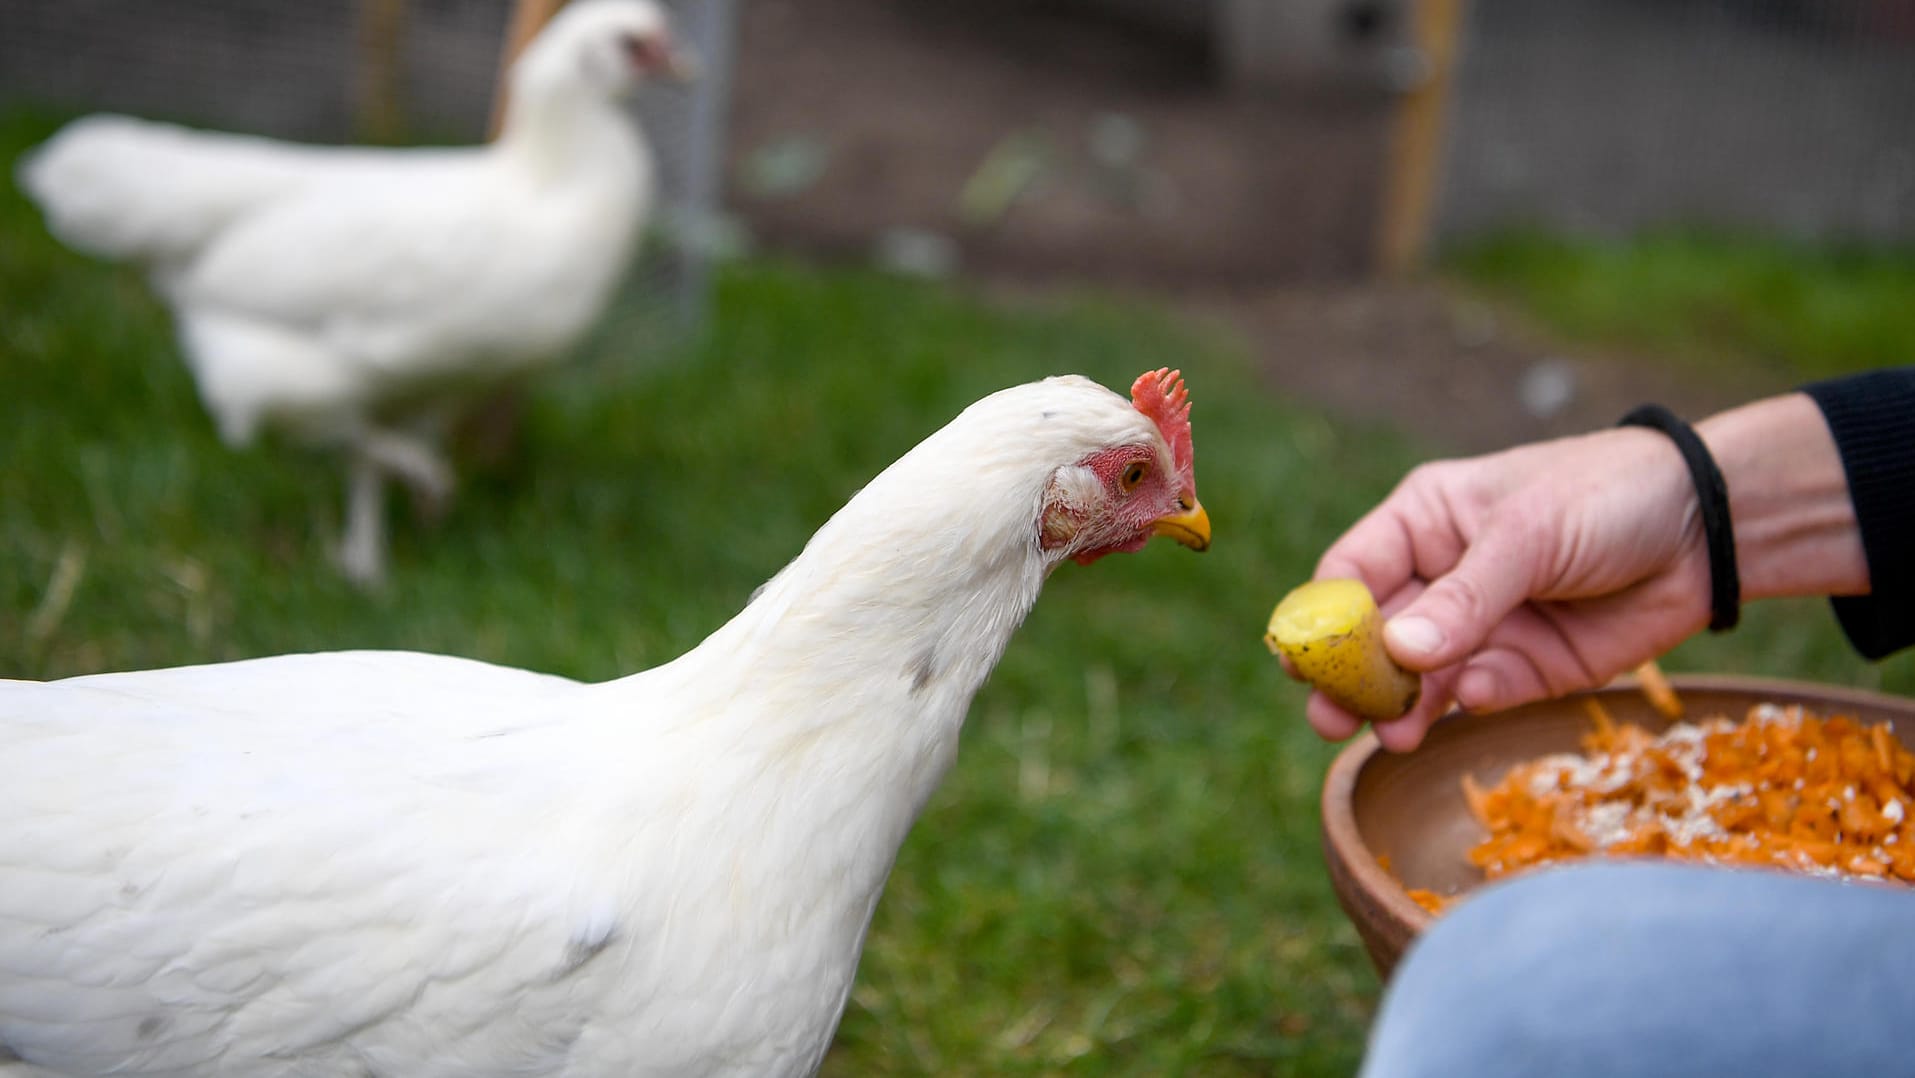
<point>1190,527</point>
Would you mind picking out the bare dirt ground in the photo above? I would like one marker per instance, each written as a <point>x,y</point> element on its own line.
<point>1032,144</point>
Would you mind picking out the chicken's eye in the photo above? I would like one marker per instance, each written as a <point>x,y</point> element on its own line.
<point>1134,475</point>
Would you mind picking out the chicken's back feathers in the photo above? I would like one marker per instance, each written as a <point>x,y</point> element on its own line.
<point>301,789</point>
<point>365,863</point>
<point>487,274</point>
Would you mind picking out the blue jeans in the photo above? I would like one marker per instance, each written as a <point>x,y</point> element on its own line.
<point>1643,970</point>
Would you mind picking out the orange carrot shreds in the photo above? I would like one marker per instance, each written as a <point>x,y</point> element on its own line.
<point>1662,695</point>
<point>1605,727</point>
<point>1422,896</point>
<point>1785,787</point>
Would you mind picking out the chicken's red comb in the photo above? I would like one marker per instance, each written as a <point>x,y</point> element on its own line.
<point>1160,395</point>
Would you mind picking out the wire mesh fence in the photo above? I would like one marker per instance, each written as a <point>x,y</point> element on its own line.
<point>1610,116</point>
<point>302,71</point>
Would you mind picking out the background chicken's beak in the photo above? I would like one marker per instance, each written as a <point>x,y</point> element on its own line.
<point>680,64</point>
<point>661,57</point>
<point>1190,527</point>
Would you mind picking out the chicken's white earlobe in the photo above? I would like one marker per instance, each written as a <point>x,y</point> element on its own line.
<point>1064,512</point>
<point>1057,527</point>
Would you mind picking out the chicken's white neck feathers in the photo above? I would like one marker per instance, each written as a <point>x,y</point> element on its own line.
<point>861,657</point>
<point>555,121</point>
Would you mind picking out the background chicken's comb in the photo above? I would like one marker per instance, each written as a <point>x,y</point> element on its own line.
<point>1160,394</point>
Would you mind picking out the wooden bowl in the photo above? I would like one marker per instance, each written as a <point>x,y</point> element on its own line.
<point>1410,806</point>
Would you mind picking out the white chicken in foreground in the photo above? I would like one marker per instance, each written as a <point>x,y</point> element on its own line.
<point>403,865</point>
<point>362,297</point>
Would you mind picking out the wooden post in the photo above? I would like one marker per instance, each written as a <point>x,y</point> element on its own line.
<point>1416,144</point>
<point>379,82</point>
<point>528,18</point>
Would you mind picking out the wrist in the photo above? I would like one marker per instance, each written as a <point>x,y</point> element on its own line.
<point>1794,524</point>
<point>1712,511</point>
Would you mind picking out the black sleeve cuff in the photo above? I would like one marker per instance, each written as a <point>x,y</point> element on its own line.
<point>1872,417</point>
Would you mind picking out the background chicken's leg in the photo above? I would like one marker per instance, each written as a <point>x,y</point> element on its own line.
<point>413,460</point>
<point>362,550</point>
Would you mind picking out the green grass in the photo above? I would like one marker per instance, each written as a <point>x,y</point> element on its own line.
<point>1121,875</point>
<point>1797,311</point>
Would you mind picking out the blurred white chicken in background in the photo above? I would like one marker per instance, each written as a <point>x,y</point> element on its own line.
<point>415,866</point>
<point>362,297</point>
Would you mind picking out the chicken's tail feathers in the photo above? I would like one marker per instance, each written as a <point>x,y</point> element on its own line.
<point>91,181</point>
<point>122,188</point>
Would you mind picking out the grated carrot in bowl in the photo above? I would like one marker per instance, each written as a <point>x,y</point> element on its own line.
<point>1784,788</point>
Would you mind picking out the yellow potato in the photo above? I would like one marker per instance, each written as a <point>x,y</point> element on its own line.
<point>1332,634</point>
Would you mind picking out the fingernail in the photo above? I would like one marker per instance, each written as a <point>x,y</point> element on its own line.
<point>1415,636</point>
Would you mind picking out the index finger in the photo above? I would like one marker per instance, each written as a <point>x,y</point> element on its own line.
<point>1391,545</point>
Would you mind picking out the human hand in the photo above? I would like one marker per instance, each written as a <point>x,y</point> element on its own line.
<point>1528,573</point>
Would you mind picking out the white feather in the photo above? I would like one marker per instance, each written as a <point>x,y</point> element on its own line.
<point>398,864</point>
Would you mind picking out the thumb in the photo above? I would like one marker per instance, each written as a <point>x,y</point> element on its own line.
<point>1455,614</point>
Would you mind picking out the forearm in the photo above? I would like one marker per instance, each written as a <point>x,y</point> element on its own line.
<point>1795,525</point>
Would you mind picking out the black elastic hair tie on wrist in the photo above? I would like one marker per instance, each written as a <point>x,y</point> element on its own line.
<point>1725,584</point>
